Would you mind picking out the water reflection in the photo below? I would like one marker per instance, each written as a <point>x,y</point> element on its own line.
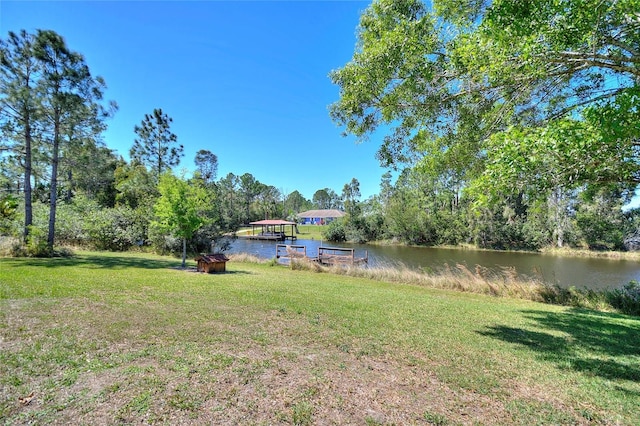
<point>593,273</point>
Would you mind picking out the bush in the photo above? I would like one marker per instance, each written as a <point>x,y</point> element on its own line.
<point>114,229</point>
<point>450,228</point>
<point>356,235</point>
<point>375,226</point>
<point>72,220</point>
<point>163,243</point>
<point>627,299</point>
<point>8,212</point>
<point>599,233</point>
<point>36,245</point>
<point>335,232</point>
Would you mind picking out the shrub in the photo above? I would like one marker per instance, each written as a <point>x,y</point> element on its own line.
<point>115,229</point>
<point>356,235</point>
<point>627,299</point>
<point>335,232</point>
<point>8,213</point>
<point>37,243</point>
<point>163,243</point>
<point>72,220</point>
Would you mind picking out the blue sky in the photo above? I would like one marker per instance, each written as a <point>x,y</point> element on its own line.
<point>245,80</point>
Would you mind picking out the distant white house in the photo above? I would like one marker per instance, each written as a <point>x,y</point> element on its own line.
<point>319,217</point>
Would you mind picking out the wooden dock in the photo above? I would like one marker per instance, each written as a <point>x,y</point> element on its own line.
<point>326,255</point>
<point>340,256</point>
<point>290,251</point>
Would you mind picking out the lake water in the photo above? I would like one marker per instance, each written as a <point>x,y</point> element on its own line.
<point>592,273</point>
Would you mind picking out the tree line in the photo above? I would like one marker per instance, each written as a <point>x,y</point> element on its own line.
<point>51,106</point>
<point>508,127</point>
<point>511,124</point>
<point>60,184</point>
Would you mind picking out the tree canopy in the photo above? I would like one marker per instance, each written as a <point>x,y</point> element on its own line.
<point>515,126</point>
<point>49,103</point>
<point>178,210</point>
<point>156,145</point>
<point>489,89</point>
<point>19,74</point>
<point>207,165</point>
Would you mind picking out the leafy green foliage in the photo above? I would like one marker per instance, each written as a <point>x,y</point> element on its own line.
<point>335,231</point>
<point>503,99</point>
<point>177,211</point>
<point>601,220</point>
<point>627,299</point>
<point>8,211</point>
<point>351,198</point>
<point>115,229</point>
<point>88,168</point>
<point>19,107</point>
<point>71,105</point>
<point>135,185</point>
<point>36,245</point>
<point>51,105</point>
<point>295,203</point>
<point>326,198</point>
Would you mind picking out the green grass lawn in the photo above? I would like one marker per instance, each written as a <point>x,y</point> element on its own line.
<point>310,232</point>
<point>127,338</point>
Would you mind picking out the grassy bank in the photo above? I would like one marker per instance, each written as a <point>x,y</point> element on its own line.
<point>310,232</point>
<point>505,282</point>
<point>123,338</point>
<point>574,252</point>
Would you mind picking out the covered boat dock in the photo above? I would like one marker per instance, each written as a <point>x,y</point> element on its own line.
<point>271,230</point>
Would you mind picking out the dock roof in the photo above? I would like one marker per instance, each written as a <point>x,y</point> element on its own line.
<point>272,222</point>
<point>322,213</point>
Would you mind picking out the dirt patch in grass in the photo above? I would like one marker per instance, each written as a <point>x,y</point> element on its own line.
<point>260,388</point>
<point>144,362</point>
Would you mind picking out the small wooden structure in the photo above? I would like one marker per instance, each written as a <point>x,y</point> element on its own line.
<point>271,230</point>
<point>211,263</point>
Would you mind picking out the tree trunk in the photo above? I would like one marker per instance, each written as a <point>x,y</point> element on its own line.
<point>69,194</point>
<point>159,148</point>
<point>558,206</point>
<point>53,202</point>
<point>184,253</point>
<point>560,242</point>
<point>28,208</point>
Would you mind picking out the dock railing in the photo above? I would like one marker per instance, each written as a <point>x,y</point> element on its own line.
<point>291,251</point>
<point>338,255</point>
<point>326,255</point>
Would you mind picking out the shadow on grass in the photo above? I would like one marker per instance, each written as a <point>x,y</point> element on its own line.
<point>594,343</point>
<point>217,274</point>
<point>112,261</point>
<point>109,261</point>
